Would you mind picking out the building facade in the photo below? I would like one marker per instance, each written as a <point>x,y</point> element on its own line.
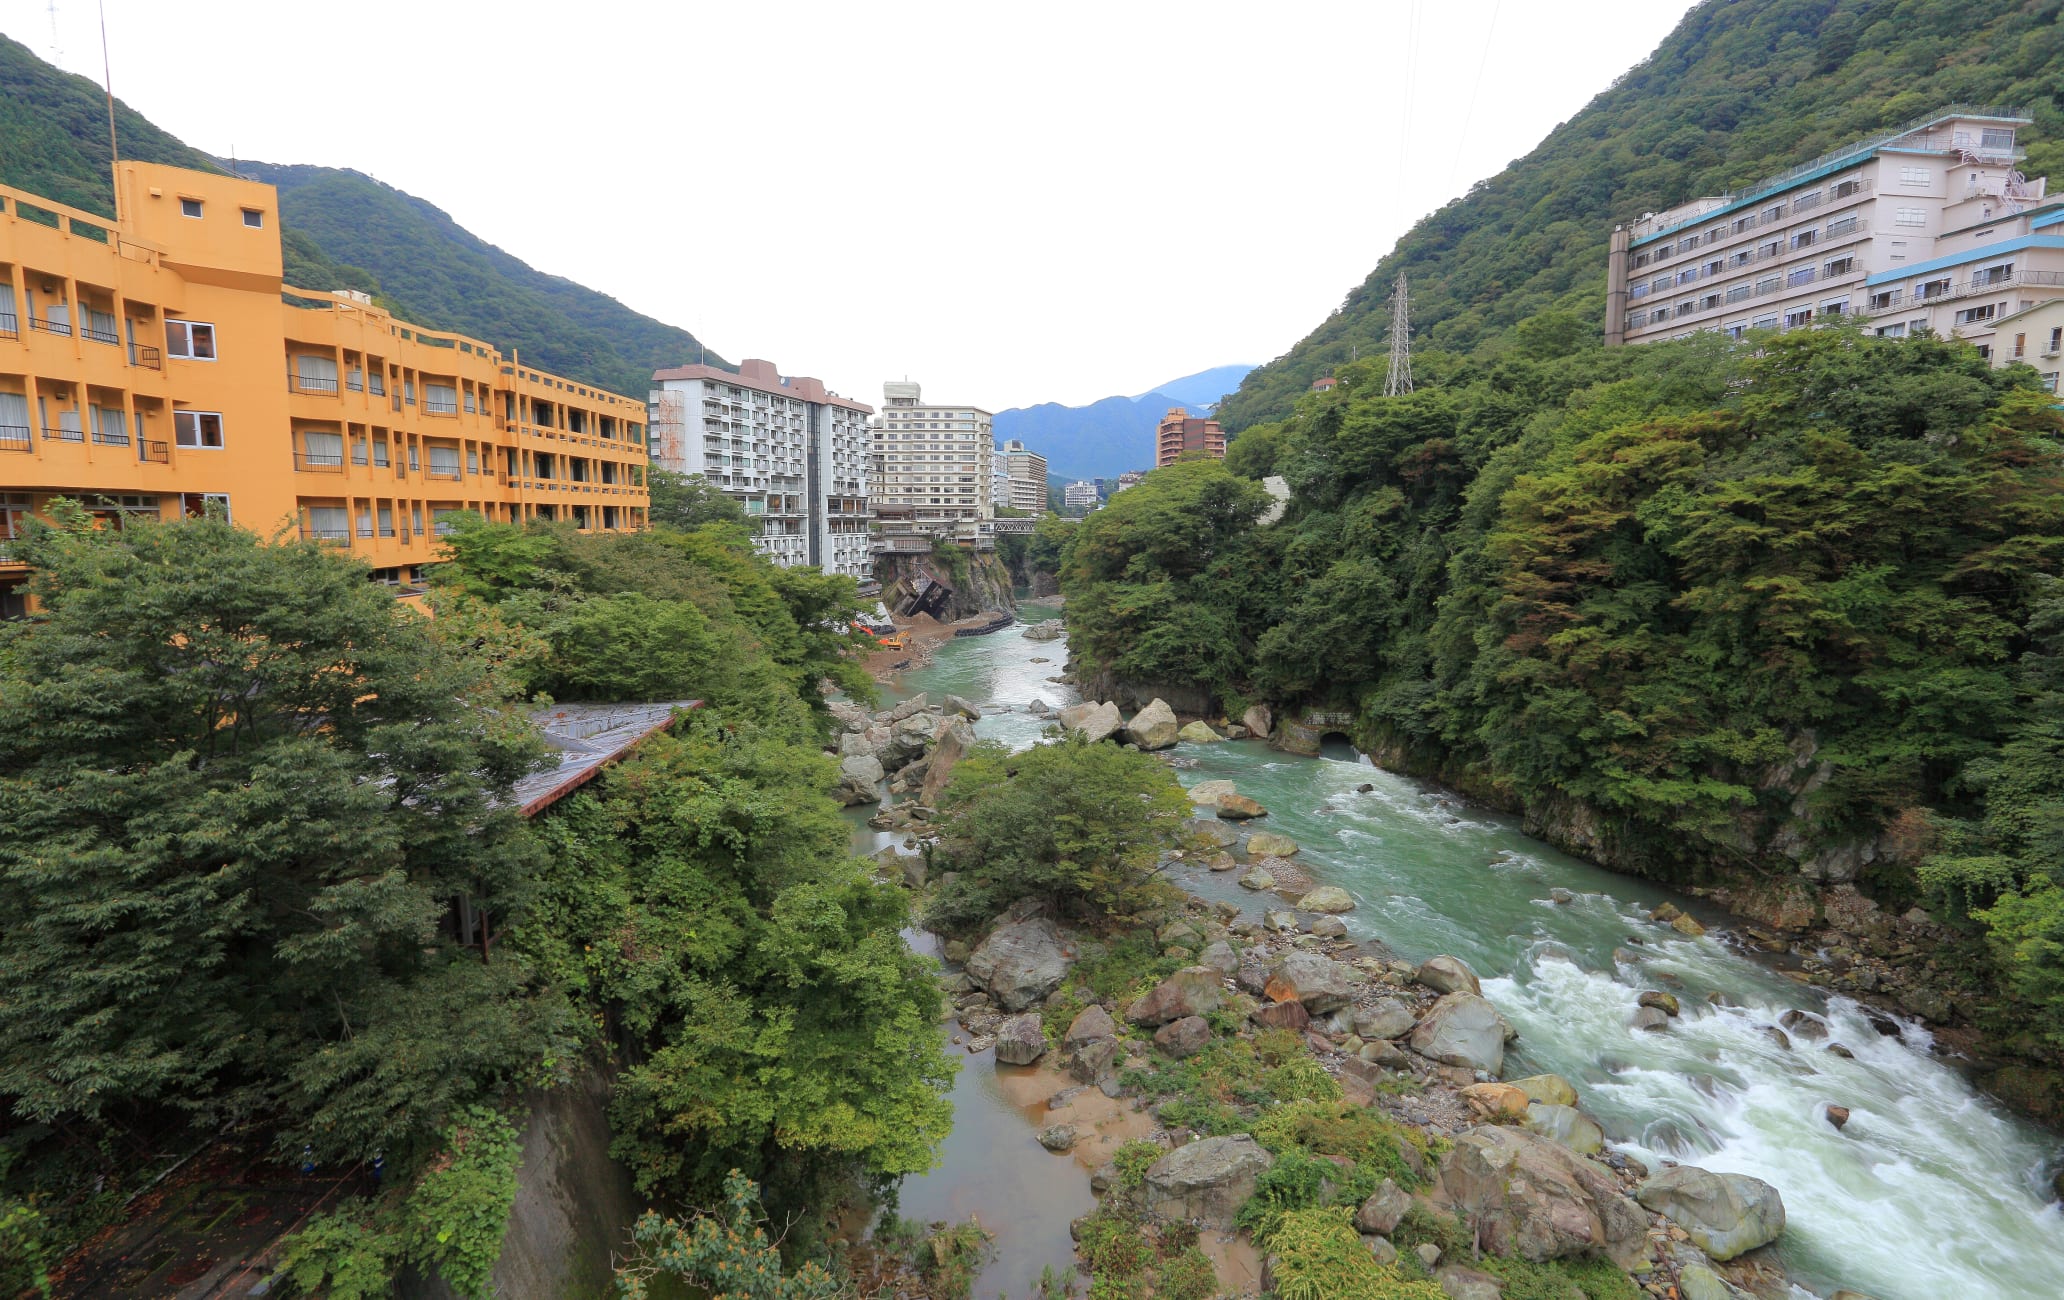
<point>1130,478</point>
<point>791,452</point>
<point>1931,227</point>
<point>1080,495</point>
<point>938,459</point>
<point>1027,475</point>
<point>1181,434</point>
<point>157,366</point>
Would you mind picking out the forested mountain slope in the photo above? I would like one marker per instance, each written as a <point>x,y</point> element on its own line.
<point>1742,89</point>
<point>344,230</point>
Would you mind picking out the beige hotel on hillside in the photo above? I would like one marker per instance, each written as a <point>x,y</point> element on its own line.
<point>1930,227</point>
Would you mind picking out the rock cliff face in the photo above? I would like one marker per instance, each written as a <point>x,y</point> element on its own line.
<point>979,582</point>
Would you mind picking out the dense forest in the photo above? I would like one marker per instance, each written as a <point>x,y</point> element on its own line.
<point>1742,89</point>
<point>344,230</point>
<point>1782,609</point>
<point>266,781</point>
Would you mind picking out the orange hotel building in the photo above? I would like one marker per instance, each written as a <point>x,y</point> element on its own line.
<point>158,365</point>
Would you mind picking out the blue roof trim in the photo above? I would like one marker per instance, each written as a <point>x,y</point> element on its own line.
<point>2049,218</point>
<point>1983,253</point>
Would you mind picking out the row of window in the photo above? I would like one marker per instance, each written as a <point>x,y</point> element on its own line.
<point>1798,203</point>
<point>1798,316</point>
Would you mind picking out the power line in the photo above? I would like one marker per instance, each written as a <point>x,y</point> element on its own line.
<point>1469,112</point>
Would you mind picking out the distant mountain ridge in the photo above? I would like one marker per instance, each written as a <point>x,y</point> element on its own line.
<point>344,230</point>
<point>1114,434</point>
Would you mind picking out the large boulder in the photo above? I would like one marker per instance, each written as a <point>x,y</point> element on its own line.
<point>1382,1212</point>
<point>1205,793</point>
<point>1239,808</point>
<point>1385,1018</point>
<point>1327,898</point>
<point>1258,720</point>
<point>1256,878</point>
<point>1463,1029</point>
<point>1048,630</point>
<point>1567,1125</point>
<point>951,744</point>
<point>955,704</point>
<point>1153,727</point>
<point>1198,733</point>
<point>1020,1040</point>
<point>1020,962</point>
<point>1320,983</point>
<point>1207,1180</point>
<point>1535,1198</point>
<point>1446,974</point>
<point>1724,1214</point>
<point>1090,1022</point>
<point>852,744</point>
<point>1268,844</point>
<point>1092,722</point>
<point>1184,1037</point>
<point>1191,991</point>
<point>1548,1089</point>
<point>860,777</point>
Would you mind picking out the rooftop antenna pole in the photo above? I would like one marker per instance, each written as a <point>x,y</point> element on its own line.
<point>1400,380</point>
<point>107,80</point>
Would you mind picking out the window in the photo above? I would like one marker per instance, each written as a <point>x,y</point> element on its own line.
<point>1661,284</point>
<point>2049,380</point>
<point>1835,307</point>
<point>1884,298</point>
<point>1931,289</point>
<point>1709,302</point>
<point>1985,351</point>
<point>2020,346</point>
<point>1838,266</point>
<point>1909,217</point>
<point>1712,268</point>
<point>472,460</point>
<point>2056,341</point>
<point>2000,274</point>
<point>322,450</point>
<point>314,374</point>
<point>1772,213</point>
<point>1737,292</point>
<point>1794,319</point>
<point>440,399</point>
<point>1741,258</point>
<point>380,451</point>
<point>1735,330</point>
<point>1640,260</point>
<point>1804,238</point>
<point>1916,176</point>
<point>189,339</point>
<point>1846,188</point>
<point>358,451</point>
<point>254,218</point>
<point>1995,138</point>
<point>1892,331</point>
<point>110,426</point>
<point>1799,275</point>
<point>329,523</point>
<point>470,407</point>
<point>1638,291</point>
<point>444,461</point>
<point>1687,275</point>
<point>1918,326</point>
<point>1743,224</point>
<point>1840,226</point>
<point>189,207</point>
<point>1970,315</point>
<point>1770,248</point>
<point>199,429</point>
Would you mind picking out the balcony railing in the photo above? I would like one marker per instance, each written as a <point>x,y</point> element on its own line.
<point>337,536</point>
<point>101,336</point>
<point>10,325</point>
<point>431,406</point>
<point>63,434</point>
<point>319,462</point>
<point>146,356</point>
<point>15,437</point>
<point>105,439</point>
<point>39,325</point>
<point>153,453</point>
<point>311,384</point>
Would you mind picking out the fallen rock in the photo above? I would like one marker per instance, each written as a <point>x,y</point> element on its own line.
<point>1778,1036</point>
<point>1093,722</point>
<point>1057,1137</point>
<point>1663,1002</point>
<point>1184,1037</point>
<point>1282,1015</point>
<point>1268,844</point>
<point>1219,956</point>
<point>1319,982</point>
<point>1327,898</point>
<point>950,744</point>
<point>1463,1029</point>
<point>1090,1022</point>
<point>1382,1212</point>
<point>1649,1019</point>
<point>1559,895</point>
<point>1496,1101</point>
<point>1208,1180</point>
<point>1459,1283</point>
<point>1697,1282</point>
<point>1020,1040</point>
<point>1153,727</point>
<point>1258,720</point>
<point>1093,1059</point>
<point>1567,1125</point>
<point>1428,1253</point>
<point>1380,1247</point>
<point>1047,630</point>
<point>1329,927</point>
<point>1446,974</point>
<point>1191,991</point>
<point>1020,962</point>
<point>1198,733</point>
<point>1239,808</point>
<point>1725,1214</point>
<point>1280,921</point>
<point>860,777</point>
<point>1205,794</point>
<point>1258,879</point>
<point>1532,1197</point>
<point>1803,1024</point>
<point>1549,1089</point>
<point>1685,925</point>
<point>1385,1018</point>
<point>1838,1116</point>
<point>1222,861</point>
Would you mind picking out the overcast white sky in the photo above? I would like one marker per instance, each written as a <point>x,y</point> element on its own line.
<point>1010,203</point>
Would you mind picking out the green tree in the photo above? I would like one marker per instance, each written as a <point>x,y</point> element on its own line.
<point>239,786</point>
<point>688,501</point>
<point>1078,824</point>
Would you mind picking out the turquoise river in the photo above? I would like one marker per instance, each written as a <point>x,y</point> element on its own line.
<point>1930,1191</point>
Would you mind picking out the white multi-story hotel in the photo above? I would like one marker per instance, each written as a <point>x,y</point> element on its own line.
<point>1928,227</point>
<point>936,458</point>
<point>792,452</point>
<point>1027,474</point>
<point>1080,495</point>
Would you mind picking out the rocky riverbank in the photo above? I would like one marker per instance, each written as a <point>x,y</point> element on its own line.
<point>1224,1056</point>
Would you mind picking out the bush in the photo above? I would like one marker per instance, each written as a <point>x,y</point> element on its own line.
<point>1079,824</point>
<point>1319,1256</point>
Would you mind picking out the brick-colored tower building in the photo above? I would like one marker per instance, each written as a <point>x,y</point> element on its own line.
<point>1181,432</point>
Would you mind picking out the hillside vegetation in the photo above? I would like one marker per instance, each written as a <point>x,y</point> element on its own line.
<point>344,230</point>
<point>1740,90</point>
